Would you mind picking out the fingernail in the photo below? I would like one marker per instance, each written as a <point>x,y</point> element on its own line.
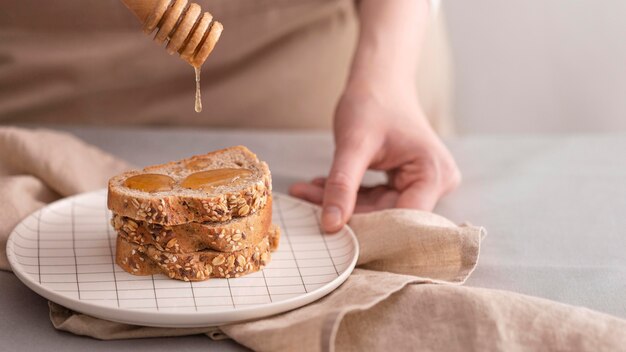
<point>331,218</point>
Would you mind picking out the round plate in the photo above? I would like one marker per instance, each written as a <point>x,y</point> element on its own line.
<point>65,252</point>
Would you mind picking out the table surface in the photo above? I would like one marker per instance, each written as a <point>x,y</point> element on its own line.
<point>554,208</point>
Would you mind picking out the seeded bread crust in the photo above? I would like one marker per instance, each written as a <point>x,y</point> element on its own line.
<point>274,237</point>
<point>181,205</point>
<point>194,236</point>
<point>195,266</point>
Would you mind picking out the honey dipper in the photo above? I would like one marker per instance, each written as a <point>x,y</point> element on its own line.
<point>188,31</point>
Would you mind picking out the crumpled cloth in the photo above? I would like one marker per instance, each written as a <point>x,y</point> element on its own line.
<point>405,293</point>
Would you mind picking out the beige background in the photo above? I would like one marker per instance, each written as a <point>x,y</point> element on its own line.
<point>521,66</point>
<point>539,66</point>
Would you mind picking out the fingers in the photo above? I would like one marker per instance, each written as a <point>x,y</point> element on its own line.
<point>375,198</point>
<point>368,198</point>
<point>423,183</point>
<point>307,191</point>
<point>319,181</point>
<point>342,184</point>
<point>421,195</point>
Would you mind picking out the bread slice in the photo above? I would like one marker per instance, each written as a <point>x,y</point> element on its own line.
<point>194,266</point>
<point>228,236</point>
<point>168,202</point>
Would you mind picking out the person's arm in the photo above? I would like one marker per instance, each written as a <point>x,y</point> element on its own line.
<point>390,40</point>
<point>379,123</point>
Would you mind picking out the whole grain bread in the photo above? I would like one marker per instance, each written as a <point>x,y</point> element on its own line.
<point>228,236</point>
<point>194,266</point>
<point>180,205</point>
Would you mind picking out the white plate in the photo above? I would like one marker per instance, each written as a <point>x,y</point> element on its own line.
<point>65,252</point>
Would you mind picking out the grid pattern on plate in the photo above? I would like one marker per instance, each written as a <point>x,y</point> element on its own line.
<point>70,248</point>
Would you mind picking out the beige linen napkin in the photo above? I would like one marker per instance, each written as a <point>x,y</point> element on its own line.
<point>41,166</point>
<point>381,305</point>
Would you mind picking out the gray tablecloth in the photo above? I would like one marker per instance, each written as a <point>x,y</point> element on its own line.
<point>554,208</point>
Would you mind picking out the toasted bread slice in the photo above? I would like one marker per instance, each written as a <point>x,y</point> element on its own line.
<point>195,266</point>
<point>230,236</point>
<point>213,187</point>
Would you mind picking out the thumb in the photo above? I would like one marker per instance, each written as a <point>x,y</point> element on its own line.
<point>349,165</point>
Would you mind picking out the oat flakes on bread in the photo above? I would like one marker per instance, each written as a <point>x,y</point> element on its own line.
<point>274,237</point>
<point>166,201</point>
<point>228,236</point>
<point>195,266</point>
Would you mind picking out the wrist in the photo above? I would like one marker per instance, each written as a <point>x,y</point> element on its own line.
<point>379,87</point>
<point>385,100</point>
<point>381,70</point>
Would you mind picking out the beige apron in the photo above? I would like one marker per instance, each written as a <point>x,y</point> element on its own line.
<point>279,64</point>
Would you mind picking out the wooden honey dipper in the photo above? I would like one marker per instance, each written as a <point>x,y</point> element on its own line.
<point>188,31</point>
<point>191,33</point>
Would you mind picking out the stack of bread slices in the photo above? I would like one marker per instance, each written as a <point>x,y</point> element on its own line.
<point>194,219</point>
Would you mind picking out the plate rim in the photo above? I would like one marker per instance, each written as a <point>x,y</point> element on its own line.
<point>192,319</point>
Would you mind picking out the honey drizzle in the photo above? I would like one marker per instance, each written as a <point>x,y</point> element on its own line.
<point>198,105</point>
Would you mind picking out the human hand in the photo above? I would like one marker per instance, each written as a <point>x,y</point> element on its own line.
<point>381,129</point>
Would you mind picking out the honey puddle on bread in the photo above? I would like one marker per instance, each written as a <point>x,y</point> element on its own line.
<point>206,180</point>
<point>150,182</point>
<point>198,106</point>
<point>203,180</point>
